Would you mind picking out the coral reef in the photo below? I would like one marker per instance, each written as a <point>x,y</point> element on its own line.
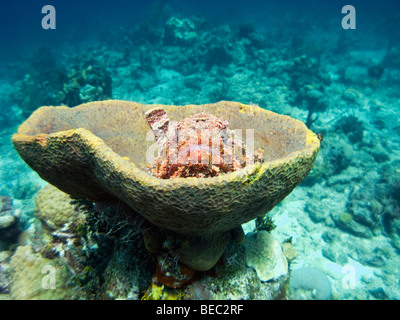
<point>31,277</point>
<point>5,274</point>
<point>304,281</point>
<point>83,82</point>
<point>352,127</point>
<point>181,31</point>
<point>341,84</point>
<point>95,252</point>
<point>309,91</point>
<point>10,227</point>
<point>373,208</point>
<point>202,214</point>
<point>53,208</point>
<point>265,255</point>
<point>103,258</point>
<point>230,279</point>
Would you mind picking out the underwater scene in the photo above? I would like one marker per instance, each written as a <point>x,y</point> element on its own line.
<point>200,150</point>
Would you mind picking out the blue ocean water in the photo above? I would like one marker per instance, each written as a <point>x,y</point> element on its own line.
<point>292,57</point>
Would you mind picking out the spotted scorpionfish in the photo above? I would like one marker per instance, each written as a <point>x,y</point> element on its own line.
<point>199,146</point>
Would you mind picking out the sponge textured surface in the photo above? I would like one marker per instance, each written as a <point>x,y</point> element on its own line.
<point>98,150</point>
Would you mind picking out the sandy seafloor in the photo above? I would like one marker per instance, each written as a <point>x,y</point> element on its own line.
<point>356,172</point>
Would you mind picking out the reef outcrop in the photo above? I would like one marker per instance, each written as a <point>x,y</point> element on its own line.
<point>101,151</point>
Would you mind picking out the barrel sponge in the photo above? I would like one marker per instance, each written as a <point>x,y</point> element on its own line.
<point>28,277</point>
<point>98,150</point>
<point>54,208</point>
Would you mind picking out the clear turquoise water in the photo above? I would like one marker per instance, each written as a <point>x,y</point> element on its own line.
<point>291,57</point>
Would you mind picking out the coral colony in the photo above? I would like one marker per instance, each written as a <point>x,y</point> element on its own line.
<point>199,146</point>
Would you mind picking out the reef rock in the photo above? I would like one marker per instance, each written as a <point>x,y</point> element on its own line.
<point>36,278</point>
<point>55,210</point>
<point>306,283</point>
<point>101,151</point>
<point>180,31</point>
<point>264,254</point>
<point>9,220</point>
